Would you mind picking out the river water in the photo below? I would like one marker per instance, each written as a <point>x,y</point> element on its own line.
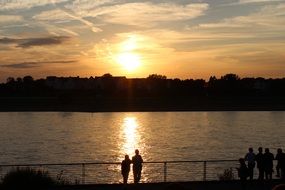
<point>68,137</point>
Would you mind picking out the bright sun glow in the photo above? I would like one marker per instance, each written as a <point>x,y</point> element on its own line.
<point>129,61</point>
<point>127,56</point>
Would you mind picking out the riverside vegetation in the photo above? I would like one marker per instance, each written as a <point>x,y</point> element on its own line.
<point>154,93</point>
<point>29,178</point>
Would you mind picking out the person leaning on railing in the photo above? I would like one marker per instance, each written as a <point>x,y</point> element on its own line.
<point>250,158</point>
<point>137,166</point>
<point>125,168</point>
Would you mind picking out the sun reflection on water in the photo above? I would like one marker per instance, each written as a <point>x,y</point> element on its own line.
<point>131,138</point>
<point>130,135</point>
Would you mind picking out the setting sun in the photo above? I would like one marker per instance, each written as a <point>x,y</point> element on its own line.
<point>129,61</point>
<point>127,55</point>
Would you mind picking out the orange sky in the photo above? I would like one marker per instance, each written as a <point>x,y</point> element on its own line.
<point>179,39</point>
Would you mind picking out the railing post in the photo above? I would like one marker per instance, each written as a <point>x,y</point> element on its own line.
<point>205,171</point>
<point>165,171</point>
<point>83,174</point>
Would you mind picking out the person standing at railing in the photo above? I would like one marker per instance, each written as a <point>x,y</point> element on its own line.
<point>125,168</point>
<point>259,158</point>
<point>243,172</point>
<point>268,164</point>
<point>137,166</point>
<point>278,157</point>
<point>250,158</point>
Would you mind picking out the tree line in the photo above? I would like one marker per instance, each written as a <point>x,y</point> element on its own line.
<point>155,85</point>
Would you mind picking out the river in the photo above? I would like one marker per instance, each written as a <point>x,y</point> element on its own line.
<point>68,137</point>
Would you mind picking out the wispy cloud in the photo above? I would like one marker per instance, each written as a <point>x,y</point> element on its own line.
<point>53,15</point>
<point>256,1</point>
<point>25,4</point>
<point>267,22</point>
<point>61,15</point>
<point>143,14</point>
<point>89,5</point>
<point>69,31</point>
<point>29,42</point>
<point>43,41</point>
<point>10,18</point>
<point>33,64</point>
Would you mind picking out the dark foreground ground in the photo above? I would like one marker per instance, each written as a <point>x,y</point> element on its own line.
<point>210,185</point>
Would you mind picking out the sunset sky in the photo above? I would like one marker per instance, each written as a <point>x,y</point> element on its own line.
<point>179,39</point>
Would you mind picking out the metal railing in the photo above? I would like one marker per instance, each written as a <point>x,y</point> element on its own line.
<point>109,172</point>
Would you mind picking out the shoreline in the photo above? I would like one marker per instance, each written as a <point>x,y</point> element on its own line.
<point>152,105</point>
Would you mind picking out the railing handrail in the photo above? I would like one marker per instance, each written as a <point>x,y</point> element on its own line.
<point>165,165</point>
<point>108,163</point>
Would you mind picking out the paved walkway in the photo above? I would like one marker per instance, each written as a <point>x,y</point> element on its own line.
<point>208,185</point>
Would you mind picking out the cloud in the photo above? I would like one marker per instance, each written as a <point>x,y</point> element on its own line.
<point>10,18</point>
<point>26,4</point>
<point>261,29</point>
<point>30,42</point>
<point>60,15</point>
<point>89,5</point>
<point>53,15</point>
<point>142,14</point>
<point>69,31</point>
<point>43,41</point>
<point>25,65</point>
<point>8,41</point>
<point>267,22</point>
<point>256,1</point>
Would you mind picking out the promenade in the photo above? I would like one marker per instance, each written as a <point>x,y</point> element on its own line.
<point>193,185</point>
<point>200,174</point>
<point>206,179</point>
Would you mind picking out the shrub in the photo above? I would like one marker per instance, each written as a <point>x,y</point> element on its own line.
<point>227,175</point>
<point>27,178</point>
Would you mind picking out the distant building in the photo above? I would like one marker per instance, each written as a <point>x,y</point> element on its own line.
<point>97,83</point>
<point>261,84</point>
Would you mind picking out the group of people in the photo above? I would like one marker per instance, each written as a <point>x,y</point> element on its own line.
<point>264,162</point>
<point>137,167</point>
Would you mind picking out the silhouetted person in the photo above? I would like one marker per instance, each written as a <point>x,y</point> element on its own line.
<point>250,158</point>
<point>242,172</point>
<point>125,168</point>
<point>278,157</point>
<point>137,166</point>
<point>268,164</point>
<point>259,158</point>
<point>282,165</point>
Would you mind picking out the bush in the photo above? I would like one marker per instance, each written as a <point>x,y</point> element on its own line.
<point>27,178</point>
<point>227,175</point>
